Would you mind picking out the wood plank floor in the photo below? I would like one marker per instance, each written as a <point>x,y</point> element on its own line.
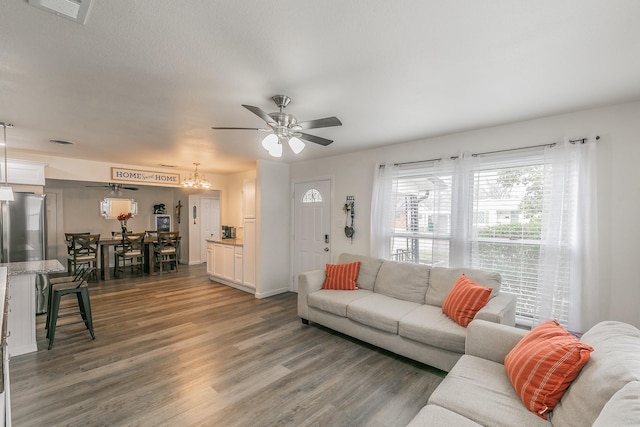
<point>180,350</point>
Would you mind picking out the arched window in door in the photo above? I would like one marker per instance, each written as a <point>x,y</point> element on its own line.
<point>312,196</point>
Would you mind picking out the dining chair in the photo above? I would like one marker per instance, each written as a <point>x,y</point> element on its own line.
<point>70,285</point>
<point>68,240</point>
<point>85,253</point>
<point>166,249</point>
<point>131,254</point>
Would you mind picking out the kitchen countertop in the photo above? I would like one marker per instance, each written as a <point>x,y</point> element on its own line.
<point>33,267</point>
<point>232,242</point>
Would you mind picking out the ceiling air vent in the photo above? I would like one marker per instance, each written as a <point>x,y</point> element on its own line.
<point>75,10</point>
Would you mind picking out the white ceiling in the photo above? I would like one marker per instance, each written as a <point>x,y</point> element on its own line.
<point>142,82</point>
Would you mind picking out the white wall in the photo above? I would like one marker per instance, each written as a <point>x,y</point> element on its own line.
<point>273,199</point>
<point>618,185</point>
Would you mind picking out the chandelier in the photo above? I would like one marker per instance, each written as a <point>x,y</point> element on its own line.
<point>6,192</point>
<point>195,181</point>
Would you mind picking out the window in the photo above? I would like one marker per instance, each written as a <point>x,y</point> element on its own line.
<point>509,194</point>
<point>421,228</point>
<point>482,212</point>
<point>312,196</point>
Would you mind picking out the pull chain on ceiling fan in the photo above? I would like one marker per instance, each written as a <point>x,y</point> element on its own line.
<point>285,127</point>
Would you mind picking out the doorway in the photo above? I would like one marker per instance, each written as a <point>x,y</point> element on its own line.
<point>312,227</point>
<point>204,223</point>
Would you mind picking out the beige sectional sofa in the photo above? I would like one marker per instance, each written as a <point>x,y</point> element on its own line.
<point>477,391</point>
<point>398,307</point>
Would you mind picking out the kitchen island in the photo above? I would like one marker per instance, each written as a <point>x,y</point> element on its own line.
<point>21,319</point>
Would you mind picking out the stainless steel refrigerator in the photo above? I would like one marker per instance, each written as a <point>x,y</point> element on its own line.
<point>24,235</point>
<point>24,228</point>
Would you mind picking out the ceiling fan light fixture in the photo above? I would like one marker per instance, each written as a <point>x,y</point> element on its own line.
<point>276,150</point>
<point>270,141</point>
<point>296,145</point>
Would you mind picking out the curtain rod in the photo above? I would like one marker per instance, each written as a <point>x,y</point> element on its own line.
<point>552,144</point>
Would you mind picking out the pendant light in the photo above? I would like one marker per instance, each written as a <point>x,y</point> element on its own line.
<point>195,181</point>
<point>6,192</point>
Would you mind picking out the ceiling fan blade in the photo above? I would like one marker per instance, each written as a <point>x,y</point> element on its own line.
<point>260,113</point>
<point>321,123</point>
<point>316,139</point>
<point>228,128</point>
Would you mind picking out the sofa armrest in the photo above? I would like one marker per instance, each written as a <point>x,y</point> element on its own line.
<point>308,282</point>
<point>499,309</point>
<point>491,341</point>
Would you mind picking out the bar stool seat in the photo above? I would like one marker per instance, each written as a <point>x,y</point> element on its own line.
<point>69,285</point>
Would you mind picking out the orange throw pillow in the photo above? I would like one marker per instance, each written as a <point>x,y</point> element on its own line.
<point>341,277</point>
<point>465,300</point>
<point>543,364</point>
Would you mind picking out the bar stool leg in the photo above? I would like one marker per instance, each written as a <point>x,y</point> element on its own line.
<point>55,306</point>
<point>85,310</point>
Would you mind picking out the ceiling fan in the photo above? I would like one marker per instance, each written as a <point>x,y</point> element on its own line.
<point>114,188</point>
<point>286,127</point>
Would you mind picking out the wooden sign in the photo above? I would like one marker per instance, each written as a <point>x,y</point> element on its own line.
<point>143,176</point>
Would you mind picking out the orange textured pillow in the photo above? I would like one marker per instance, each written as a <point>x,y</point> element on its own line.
<point>341,276</point>
<point>465,300</point>
<point>543,364</point>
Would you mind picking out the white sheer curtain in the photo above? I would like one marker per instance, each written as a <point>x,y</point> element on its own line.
<point>461,209</point>
<point>381,210</point>
<point>568,273</point>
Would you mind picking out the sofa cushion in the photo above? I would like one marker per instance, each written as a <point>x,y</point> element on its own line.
<point>465,300</point>
<point>478,389</point>
<point>403,280</point>
<point>429,325</point>
<point>612,365</point>
<point>433,415</point>
<point>442,279</point>
<point>543,364</point>
<point>623,409</point>
<point>335,302</point>
<point>368,269</point>
<point>341,277</point>
<point>380,311</point>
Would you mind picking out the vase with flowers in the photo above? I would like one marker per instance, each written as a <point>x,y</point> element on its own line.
<point>123,217</point>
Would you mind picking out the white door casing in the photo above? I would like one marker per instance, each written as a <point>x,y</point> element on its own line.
<point>312,227</point>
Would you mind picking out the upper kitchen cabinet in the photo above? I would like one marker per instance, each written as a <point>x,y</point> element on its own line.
<point>249,198</point>
<point>23,172</point>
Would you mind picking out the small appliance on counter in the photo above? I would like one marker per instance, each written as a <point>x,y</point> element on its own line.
<point>228,232</point>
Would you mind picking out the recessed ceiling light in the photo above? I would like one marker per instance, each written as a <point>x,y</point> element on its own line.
<point>61,142</point>
<point>75,10</point>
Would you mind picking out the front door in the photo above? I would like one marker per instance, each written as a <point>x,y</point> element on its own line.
<point>312,226</point>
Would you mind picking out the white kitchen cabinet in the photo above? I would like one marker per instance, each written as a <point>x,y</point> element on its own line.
<point>229,268</point>
<point>225,264</point>
<point>24,172</point>
<point>249,253</point>
<point>218,259</point>
<point>210,259</point>
<point>237,264</point>
<point>249,198</point>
